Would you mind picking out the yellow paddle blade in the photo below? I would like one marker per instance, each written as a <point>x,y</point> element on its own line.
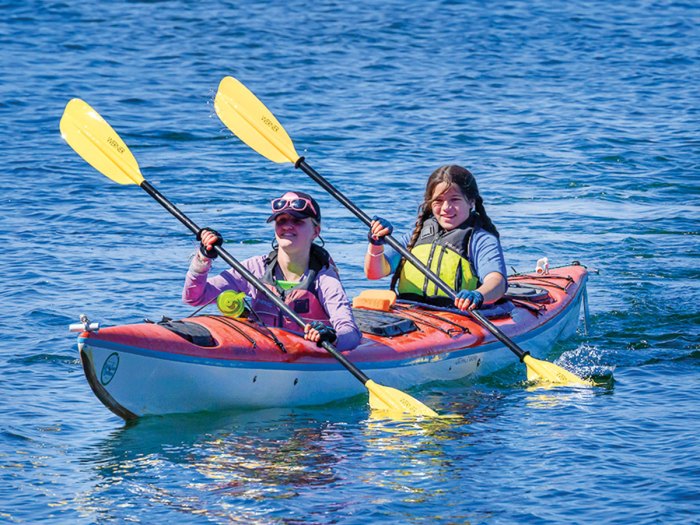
<point>546,372</point>
<point>388,399</point>
<point>252,122</point>
<point>95,141</point>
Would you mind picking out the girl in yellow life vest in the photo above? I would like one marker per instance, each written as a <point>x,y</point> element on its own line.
<point>453,236</point>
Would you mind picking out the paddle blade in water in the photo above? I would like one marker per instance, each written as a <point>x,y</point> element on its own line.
<point>546,372</point>
<point>387,399</point>
<point>252,122</point>
<point>95,141</point>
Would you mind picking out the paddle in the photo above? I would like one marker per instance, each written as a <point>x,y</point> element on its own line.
<point>97,143</point>
<point>249,119</point>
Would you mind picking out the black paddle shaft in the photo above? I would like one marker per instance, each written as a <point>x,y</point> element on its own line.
<point>498,334</point>
<point>254,281</point>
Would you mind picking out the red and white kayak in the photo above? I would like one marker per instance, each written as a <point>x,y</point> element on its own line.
<point>212,362</point>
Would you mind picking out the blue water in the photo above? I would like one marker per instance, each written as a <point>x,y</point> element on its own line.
<point>581,124</point>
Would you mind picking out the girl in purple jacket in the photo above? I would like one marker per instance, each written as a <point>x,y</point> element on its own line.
<point>298,271</point>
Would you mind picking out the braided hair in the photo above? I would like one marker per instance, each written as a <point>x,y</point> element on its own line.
<point>465,181</point>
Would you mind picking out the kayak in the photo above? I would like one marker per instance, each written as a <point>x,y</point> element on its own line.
<point>216,362</point>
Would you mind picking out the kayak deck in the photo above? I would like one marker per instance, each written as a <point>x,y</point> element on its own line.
<point>146,368</point>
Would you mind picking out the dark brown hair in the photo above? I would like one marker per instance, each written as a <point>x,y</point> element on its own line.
<point>465,181</point>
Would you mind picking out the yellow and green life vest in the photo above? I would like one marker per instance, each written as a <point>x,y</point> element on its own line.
<point>446,253</point>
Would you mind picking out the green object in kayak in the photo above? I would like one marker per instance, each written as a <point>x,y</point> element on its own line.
<point>231,304</point>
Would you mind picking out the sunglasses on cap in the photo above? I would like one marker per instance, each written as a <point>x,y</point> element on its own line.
<point>298,204</point>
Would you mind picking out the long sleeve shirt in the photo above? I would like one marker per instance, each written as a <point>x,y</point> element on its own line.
<point>200,289</point>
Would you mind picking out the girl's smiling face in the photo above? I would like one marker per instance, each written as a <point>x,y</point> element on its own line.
<point>293,233</point>
<point>449,206</point>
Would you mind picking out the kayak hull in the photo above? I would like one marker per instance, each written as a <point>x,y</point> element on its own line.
<point>139,370</point>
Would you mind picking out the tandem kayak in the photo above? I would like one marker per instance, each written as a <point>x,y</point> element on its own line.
<point>213,362</point>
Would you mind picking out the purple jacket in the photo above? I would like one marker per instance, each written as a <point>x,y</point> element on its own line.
<point>200,290</point>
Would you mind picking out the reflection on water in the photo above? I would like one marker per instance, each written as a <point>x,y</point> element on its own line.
<point>233,467</point>
<point>286,466</point>
<point>236,459</point>
<point>416,428</point>
<point>558,396</point>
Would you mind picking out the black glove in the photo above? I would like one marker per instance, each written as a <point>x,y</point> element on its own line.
<point>326,332</point>
<point>203,250</point>
<point>384,224</point>
<point>476,298</point>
